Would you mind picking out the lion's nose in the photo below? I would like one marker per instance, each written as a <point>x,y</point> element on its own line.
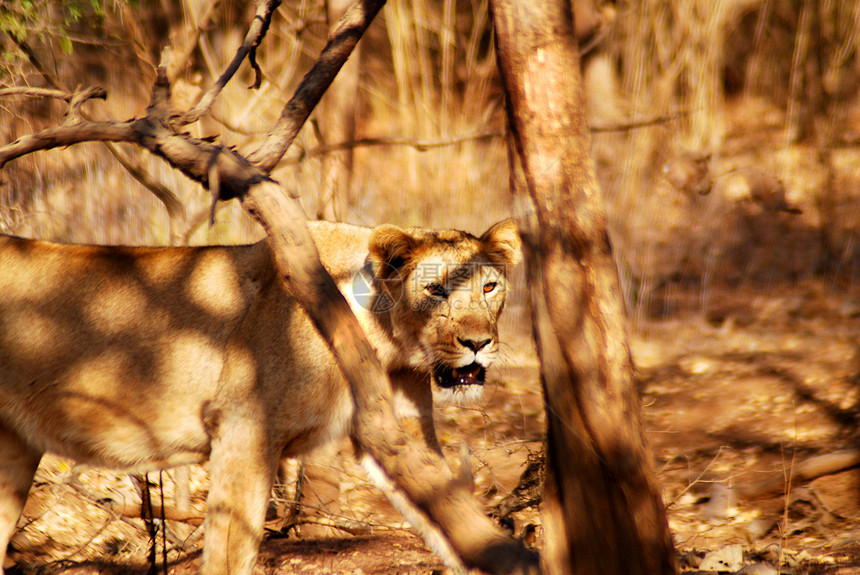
<point>475,345</point>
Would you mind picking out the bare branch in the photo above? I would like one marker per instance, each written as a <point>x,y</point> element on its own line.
<point>175,208</point>
<point>425,145</point>
<point>340,45</point>
<point>420,145</point>
<point>252,55</point>
<point>73,116</point>
<point>194,157</point>
<point>75,99</point>
<point>171,202</point>
<point>36,93</point>
<point>66,136</point>
<point>259,26</point>
<point>637,125</point>
<point>35,61</point>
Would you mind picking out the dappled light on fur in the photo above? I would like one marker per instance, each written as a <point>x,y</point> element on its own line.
<point>161,357</point>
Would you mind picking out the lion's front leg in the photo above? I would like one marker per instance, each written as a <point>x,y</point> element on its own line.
<point>18,464</point>
<point>413,405</point>
<point>241,470</point>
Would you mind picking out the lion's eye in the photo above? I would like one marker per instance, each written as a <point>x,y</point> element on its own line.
<point>436,290</point>
<point>490,286</point>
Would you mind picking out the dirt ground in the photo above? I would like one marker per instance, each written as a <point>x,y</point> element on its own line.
<point>764,384</point>
<point>736,406</point>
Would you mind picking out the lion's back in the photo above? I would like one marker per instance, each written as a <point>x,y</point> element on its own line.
<point>111,354</point>
<point>98,339</point>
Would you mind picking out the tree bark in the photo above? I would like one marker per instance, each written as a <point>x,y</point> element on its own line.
<point>603,512</point>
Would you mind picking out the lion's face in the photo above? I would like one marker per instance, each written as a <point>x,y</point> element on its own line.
<point>445,291</point>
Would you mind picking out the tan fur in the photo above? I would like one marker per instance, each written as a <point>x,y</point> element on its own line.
<point>146,358</point>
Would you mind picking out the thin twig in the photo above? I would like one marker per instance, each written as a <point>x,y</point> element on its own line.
<point>163,522</point>
<point>68,556</point>
<point>75,99</point>
<point>420,145</point>
<point>596,39</point>
<point>232,126</point>
<point>696,480</point>
<point>424,145</point>
<point>146,513</point>
<point>328,519</point>
<point>640,124</point>
<point>36,62</point>
<point>351,526</point>
<point>788,477</point>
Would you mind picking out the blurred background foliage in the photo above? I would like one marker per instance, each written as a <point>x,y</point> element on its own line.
<point>726,132</point>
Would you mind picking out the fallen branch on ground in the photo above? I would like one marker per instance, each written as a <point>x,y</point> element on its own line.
<point>804,472</point>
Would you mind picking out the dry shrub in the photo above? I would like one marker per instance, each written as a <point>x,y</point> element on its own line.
<point>753,87</point>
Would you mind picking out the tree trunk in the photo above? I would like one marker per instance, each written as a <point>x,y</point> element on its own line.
<point>602,507</point>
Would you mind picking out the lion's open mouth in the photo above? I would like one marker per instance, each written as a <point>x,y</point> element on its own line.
<point>451,377</point>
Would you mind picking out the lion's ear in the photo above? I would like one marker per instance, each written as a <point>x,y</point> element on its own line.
<point>501,243</point>
<point>391,245</point>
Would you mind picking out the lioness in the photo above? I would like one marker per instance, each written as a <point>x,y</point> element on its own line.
<point>147,358</point>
